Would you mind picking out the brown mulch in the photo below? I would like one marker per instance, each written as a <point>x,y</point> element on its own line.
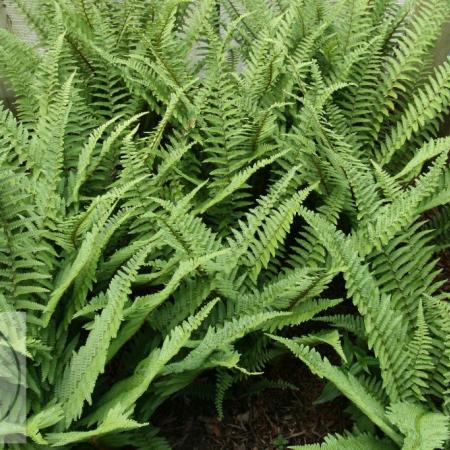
<point>270,420</point>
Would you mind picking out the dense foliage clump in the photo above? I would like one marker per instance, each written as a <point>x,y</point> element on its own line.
<point>182,181</point>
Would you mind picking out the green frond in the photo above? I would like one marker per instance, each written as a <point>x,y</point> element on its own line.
<point>364,189</point>
<point>346,322</point>
<point>345,382</point>
<point>330,337</point>
<point>392,218</point>
<point>388,184</point>
<point>125,393</point>
<point>89,361</point>
<point>422,362</point>
<point>419,33</point>
<point>224,382</point>
<point>141,439</point>
<point>383,324</point>
<point>437,320</point>
<point>272,233</point>
<point>430,150</point>
<point>278,294</point>
<point>219,338</point>
<point>347,442</point>
<point>44,419</point>
<point>302,312</point>
<point>257,218</point>
<point>405,269</point>
<point>431,101</point>
<point>423,430</point>
<point>115,420</point>
<point>18,62</point>
<point>239,181</point>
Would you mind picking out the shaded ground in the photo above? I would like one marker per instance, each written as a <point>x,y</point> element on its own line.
<point>270,420</point>
<point>444,265</point>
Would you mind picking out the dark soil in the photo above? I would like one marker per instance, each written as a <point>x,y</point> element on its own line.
<point>272,419</point>
<point>444,265</point>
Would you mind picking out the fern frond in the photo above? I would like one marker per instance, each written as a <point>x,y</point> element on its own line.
<point>347,442</point>
<point>126,392</point>
<point>424,430</point>
<point>422,362</point>
<point>88,362</point>
<point>346,383</point>
<point>431,101</point>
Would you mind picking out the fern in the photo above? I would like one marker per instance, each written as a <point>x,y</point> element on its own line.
<point>346,442</point>
<point>180,178</point>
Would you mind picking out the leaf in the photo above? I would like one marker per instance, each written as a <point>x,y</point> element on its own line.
<point>345,382</point>
<point>347,442</point>
<point>423,430</point>
<point>116,420</point>
<point>88,362</point>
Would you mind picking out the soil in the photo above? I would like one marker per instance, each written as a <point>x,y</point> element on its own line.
<point>270,420</point>
<point>444,265</point>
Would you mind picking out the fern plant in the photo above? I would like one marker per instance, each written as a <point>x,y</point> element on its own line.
<point>180,175</point>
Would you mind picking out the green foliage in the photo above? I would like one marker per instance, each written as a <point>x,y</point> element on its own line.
<point>176,183</point>
<point>358,442</point>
